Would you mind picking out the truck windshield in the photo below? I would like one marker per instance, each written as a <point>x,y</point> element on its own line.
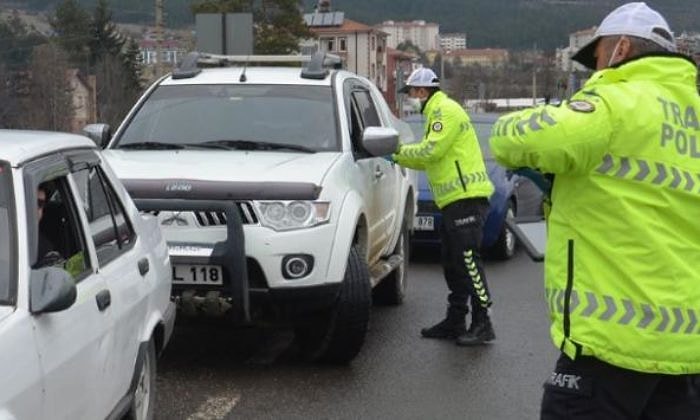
<point>7,238</point>
<point>235,116</point>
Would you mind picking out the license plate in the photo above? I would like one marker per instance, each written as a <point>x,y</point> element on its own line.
<point>210,275</point>
<point>424,223</point>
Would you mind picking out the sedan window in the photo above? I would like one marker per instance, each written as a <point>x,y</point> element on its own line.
<point>110,229</point>
<point>283,114</point>
<point>7,244</point>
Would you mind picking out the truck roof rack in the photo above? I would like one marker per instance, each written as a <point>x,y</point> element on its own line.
<point>316,66</point>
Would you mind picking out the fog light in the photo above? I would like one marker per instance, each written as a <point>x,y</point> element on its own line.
<point>297,266</point>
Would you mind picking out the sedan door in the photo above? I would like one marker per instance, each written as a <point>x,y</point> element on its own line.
<point>122,267</point>
<point>73,344</point>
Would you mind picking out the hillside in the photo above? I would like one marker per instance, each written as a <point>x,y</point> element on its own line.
<point>517,24</point>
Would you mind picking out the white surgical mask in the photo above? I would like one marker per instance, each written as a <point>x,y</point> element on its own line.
<point>415,104</point>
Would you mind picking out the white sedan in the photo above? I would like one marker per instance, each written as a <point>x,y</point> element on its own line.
<point>84,285</point>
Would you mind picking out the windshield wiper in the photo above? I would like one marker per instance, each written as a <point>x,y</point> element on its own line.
<point>151,145</point>
<point>252,145</point>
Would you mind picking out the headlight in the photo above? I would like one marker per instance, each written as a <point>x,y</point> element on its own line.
<point>289,215</point>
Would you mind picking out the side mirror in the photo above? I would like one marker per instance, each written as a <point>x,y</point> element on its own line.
<point>51,289</point>
<point>380,141</point>
<point>99,133</point>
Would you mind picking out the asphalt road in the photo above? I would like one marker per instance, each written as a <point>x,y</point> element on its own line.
<point>214,373</point>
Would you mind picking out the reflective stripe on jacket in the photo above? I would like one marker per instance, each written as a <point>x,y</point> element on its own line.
<point>449,153</point>
<point>621,269</point>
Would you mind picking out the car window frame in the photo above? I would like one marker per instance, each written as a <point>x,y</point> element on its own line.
<point>106,185</point>
<point>13,254</point>
<point>54,167</point>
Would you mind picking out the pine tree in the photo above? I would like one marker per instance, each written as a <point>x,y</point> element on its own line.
<point>16,43</point>
<point>105,38</point>
<point>72,26</point>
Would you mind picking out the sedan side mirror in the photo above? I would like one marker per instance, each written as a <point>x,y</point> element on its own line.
<point>99,133</point>
<point>380,141</point>
<point>51,289</point>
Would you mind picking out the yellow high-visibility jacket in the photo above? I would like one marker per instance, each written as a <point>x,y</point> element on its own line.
<point>622,265</point>
<point>449,153</point>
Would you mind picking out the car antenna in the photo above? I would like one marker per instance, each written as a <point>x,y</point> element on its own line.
<point>243,77</point>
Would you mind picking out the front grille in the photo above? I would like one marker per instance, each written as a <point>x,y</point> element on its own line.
<point>218,218</point>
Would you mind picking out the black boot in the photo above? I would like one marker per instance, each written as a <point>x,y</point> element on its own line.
<point>480,332</point>
<point>453,326</point>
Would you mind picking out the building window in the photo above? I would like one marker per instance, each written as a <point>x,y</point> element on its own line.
<point>372,46</point>
<point>371,72</point>
<point>342,44</point>
<point>327,44</point>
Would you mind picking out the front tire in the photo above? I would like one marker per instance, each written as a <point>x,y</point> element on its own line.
<point>144,398</point>
<point>337,335</point>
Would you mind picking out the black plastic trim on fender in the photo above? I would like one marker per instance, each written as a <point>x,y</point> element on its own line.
<point>220,190</point>
<point>232,250</point>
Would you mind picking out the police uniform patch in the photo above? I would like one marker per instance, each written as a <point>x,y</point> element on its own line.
<point>581,106</point>
<point>437,127</point>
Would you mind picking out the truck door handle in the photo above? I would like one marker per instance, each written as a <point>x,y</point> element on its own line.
<point>144,266</point>
<point>104,299</point>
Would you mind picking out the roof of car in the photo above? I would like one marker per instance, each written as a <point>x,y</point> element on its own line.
<point>254,75</point>
<point>17,146</point>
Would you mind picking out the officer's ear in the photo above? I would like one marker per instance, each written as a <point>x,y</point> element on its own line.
<point>624,49</point>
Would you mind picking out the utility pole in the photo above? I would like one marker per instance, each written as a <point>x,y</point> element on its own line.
<point>159,38</point>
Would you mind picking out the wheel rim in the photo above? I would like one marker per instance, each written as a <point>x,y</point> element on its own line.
<point>143,391</point>
<point>509,236</point>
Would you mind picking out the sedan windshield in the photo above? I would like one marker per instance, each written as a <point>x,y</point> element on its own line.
<point>286,118</point>
<point>7,242</point>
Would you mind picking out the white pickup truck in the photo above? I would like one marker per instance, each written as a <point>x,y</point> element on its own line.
<point>271,190</point>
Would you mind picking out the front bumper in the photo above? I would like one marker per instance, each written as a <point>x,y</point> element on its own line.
<point>251,257</point>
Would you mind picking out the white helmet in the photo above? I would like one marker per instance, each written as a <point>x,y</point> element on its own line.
<point>633,19</point>
<point>421,77</point>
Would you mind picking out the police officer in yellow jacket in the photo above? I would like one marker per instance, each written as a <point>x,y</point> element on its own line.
<point>451,157</point>
<point>621,269</point>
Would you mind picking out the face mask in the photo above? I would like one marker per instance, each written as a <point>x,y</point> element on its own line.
<point>415,104</point>
<point>612,56</point>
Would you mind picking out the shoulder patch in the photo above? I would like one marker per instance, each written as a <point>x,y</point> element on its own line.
<point>581,106</point>
<point>437,126</point>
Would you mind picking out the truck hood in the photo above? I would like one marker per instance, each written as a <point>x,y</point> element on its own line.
<point>225,166</point>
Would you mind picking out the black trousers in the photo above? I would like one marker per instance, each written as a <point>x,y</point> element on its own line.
<point>588,388</point>
<point>461,232</point>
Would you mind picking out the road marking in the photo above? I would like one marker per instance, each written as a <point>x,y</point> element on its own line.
<point>216,408</point>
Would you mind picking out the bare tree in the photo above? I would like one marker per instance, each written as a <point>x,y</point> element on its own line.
<point>115,101</point>
<point>48,105</point>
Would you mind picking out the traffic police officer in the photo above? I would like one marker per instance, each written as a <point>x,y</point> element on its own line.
<point>451,157</point>
<point>621,268</point>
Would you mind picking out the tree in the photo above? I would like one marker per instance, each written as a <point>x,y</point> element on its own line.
<point>16,43</point>
<point>279,27</point>
<point>114,96</point>
<point>105,38</point>
<point>278,24</point>
<point>49,105</point>
<point>72,25</point>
